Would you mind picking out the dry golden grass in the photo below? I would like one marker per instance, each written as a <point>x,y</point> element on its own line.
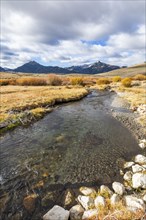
<point>19,98</point>
<point>103,81</point>
<point>116,79</point>
<point>126,82</point>
<point>134,95</point>
<point>126,72</point>
<point>139,77</point>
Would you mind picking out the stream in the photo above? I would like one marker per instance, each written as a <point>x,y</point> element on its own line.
<point>78,144</point>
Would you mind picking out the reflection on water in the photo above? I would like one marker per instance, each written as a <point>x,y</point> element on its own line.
<point>79,143</point>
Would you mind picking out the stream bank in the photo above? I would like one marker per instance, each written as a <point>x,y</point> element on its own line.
<point>78,144</point>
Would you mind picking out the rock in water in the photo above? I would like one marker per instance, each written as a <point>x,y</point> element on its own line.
<point>56,213</point>
<point>29,202</point>
<point>118,188</point>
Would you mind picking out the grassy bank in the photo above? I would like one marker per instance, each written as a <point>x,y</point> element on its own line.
<point>23,104</point>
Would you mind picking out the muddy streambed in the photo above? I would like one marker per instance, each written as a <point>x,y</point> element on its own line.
<point>79,143</point>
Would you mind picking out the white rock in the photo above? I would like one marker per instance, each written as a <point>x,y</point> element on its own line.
<point>137,168</point>
<point>86,201</point>
<point>87,191</point>
<point>90,214</point>
<point>99,201</point>
<point>76,212</point>
<point>56,213</point>
<point>133,203</point>
<point>142,145</point>
<point>105,190</point>
<point>118,188</point>
<point>128,164</point>
<point>144,198</point>
<point>140,159</point>
<point>114,199</point>
<point>139,180</point>
<point>127,176</point>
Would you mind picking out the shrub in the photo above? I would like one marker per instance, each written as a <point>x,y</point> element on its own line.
<point>139,77</point>
<point>103,81</point>
<point>126,82</point>
<point>54,80</point>
<point>4,82</point>
<point>116,79</point>
<point>76,81</point>
<point>31,81</point>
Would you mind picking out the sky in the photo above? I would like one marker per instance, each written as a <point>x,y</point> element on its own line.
<point>72,32</point>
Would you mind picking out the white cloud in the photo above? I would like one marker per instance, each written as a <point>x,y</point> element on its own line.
<point>59,31</point>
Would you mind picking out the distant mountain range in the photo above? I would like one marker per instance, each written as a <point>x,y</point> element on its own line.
<point>34,67</point>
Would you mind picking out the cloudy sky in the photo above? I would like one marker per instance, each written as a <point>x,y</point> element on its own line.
<point>72,32</point>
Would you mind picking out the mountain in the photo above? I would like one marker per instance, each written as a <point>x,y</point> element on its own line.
<point>2,69</point>
<point>94,68</point>
<point>97,67</point>
<point>34,67</point>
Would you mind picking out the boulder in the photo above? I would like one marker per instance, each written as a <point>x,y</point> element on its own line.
<point>56,213</point>
<point>118,188</point>
<point>128,164</point>
<point>139,180</point>
<point>86,191</point>
<point>140,159</point>
<point>76,212</point>
<point>105,191</point>
<point>99,201</point>
<point>133,203</point>
<point>128,176</point>
<point>90,214</point>
<point>86,201</point>
<point>137,168</point>
<point>114,199</point>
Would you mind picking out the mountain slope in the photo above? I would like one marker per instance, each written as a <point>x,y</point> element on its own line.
<point>2,69</point>
<point>34,67</point>
<point>127,72</point>
<point>94,68</point>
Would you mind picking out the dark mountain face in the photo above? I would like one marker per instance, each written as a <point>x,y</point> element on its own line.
<point>94,68</point>
<point>2,69</point>
<point>34,67</point>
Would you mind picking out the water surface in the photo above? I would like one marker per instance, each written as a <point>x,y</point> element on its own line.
<point>79,143</point>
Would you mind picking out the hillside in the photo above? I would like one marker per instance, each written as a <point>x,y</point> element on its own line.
<point>126,72</point>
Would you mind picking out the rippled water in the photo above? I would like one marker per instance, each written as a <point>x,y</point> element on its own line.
<point>79,143</point>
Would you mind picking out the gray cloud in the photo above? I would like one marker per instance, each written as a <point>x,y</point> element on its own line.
<point>40,28</point>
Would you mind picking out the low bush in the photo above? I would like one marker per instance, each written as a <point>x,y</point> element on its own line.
<point>4,82</point>
<point>31,81</point>
<point>76,81</point>
<point>54,80</point>
<point>101,81</point>
<point>126,82</point>
<point>116,79</point>
<point>139,77</point>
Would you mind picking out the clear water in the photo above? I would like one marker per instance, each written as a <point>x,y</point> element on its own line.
<point>79,143</point>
